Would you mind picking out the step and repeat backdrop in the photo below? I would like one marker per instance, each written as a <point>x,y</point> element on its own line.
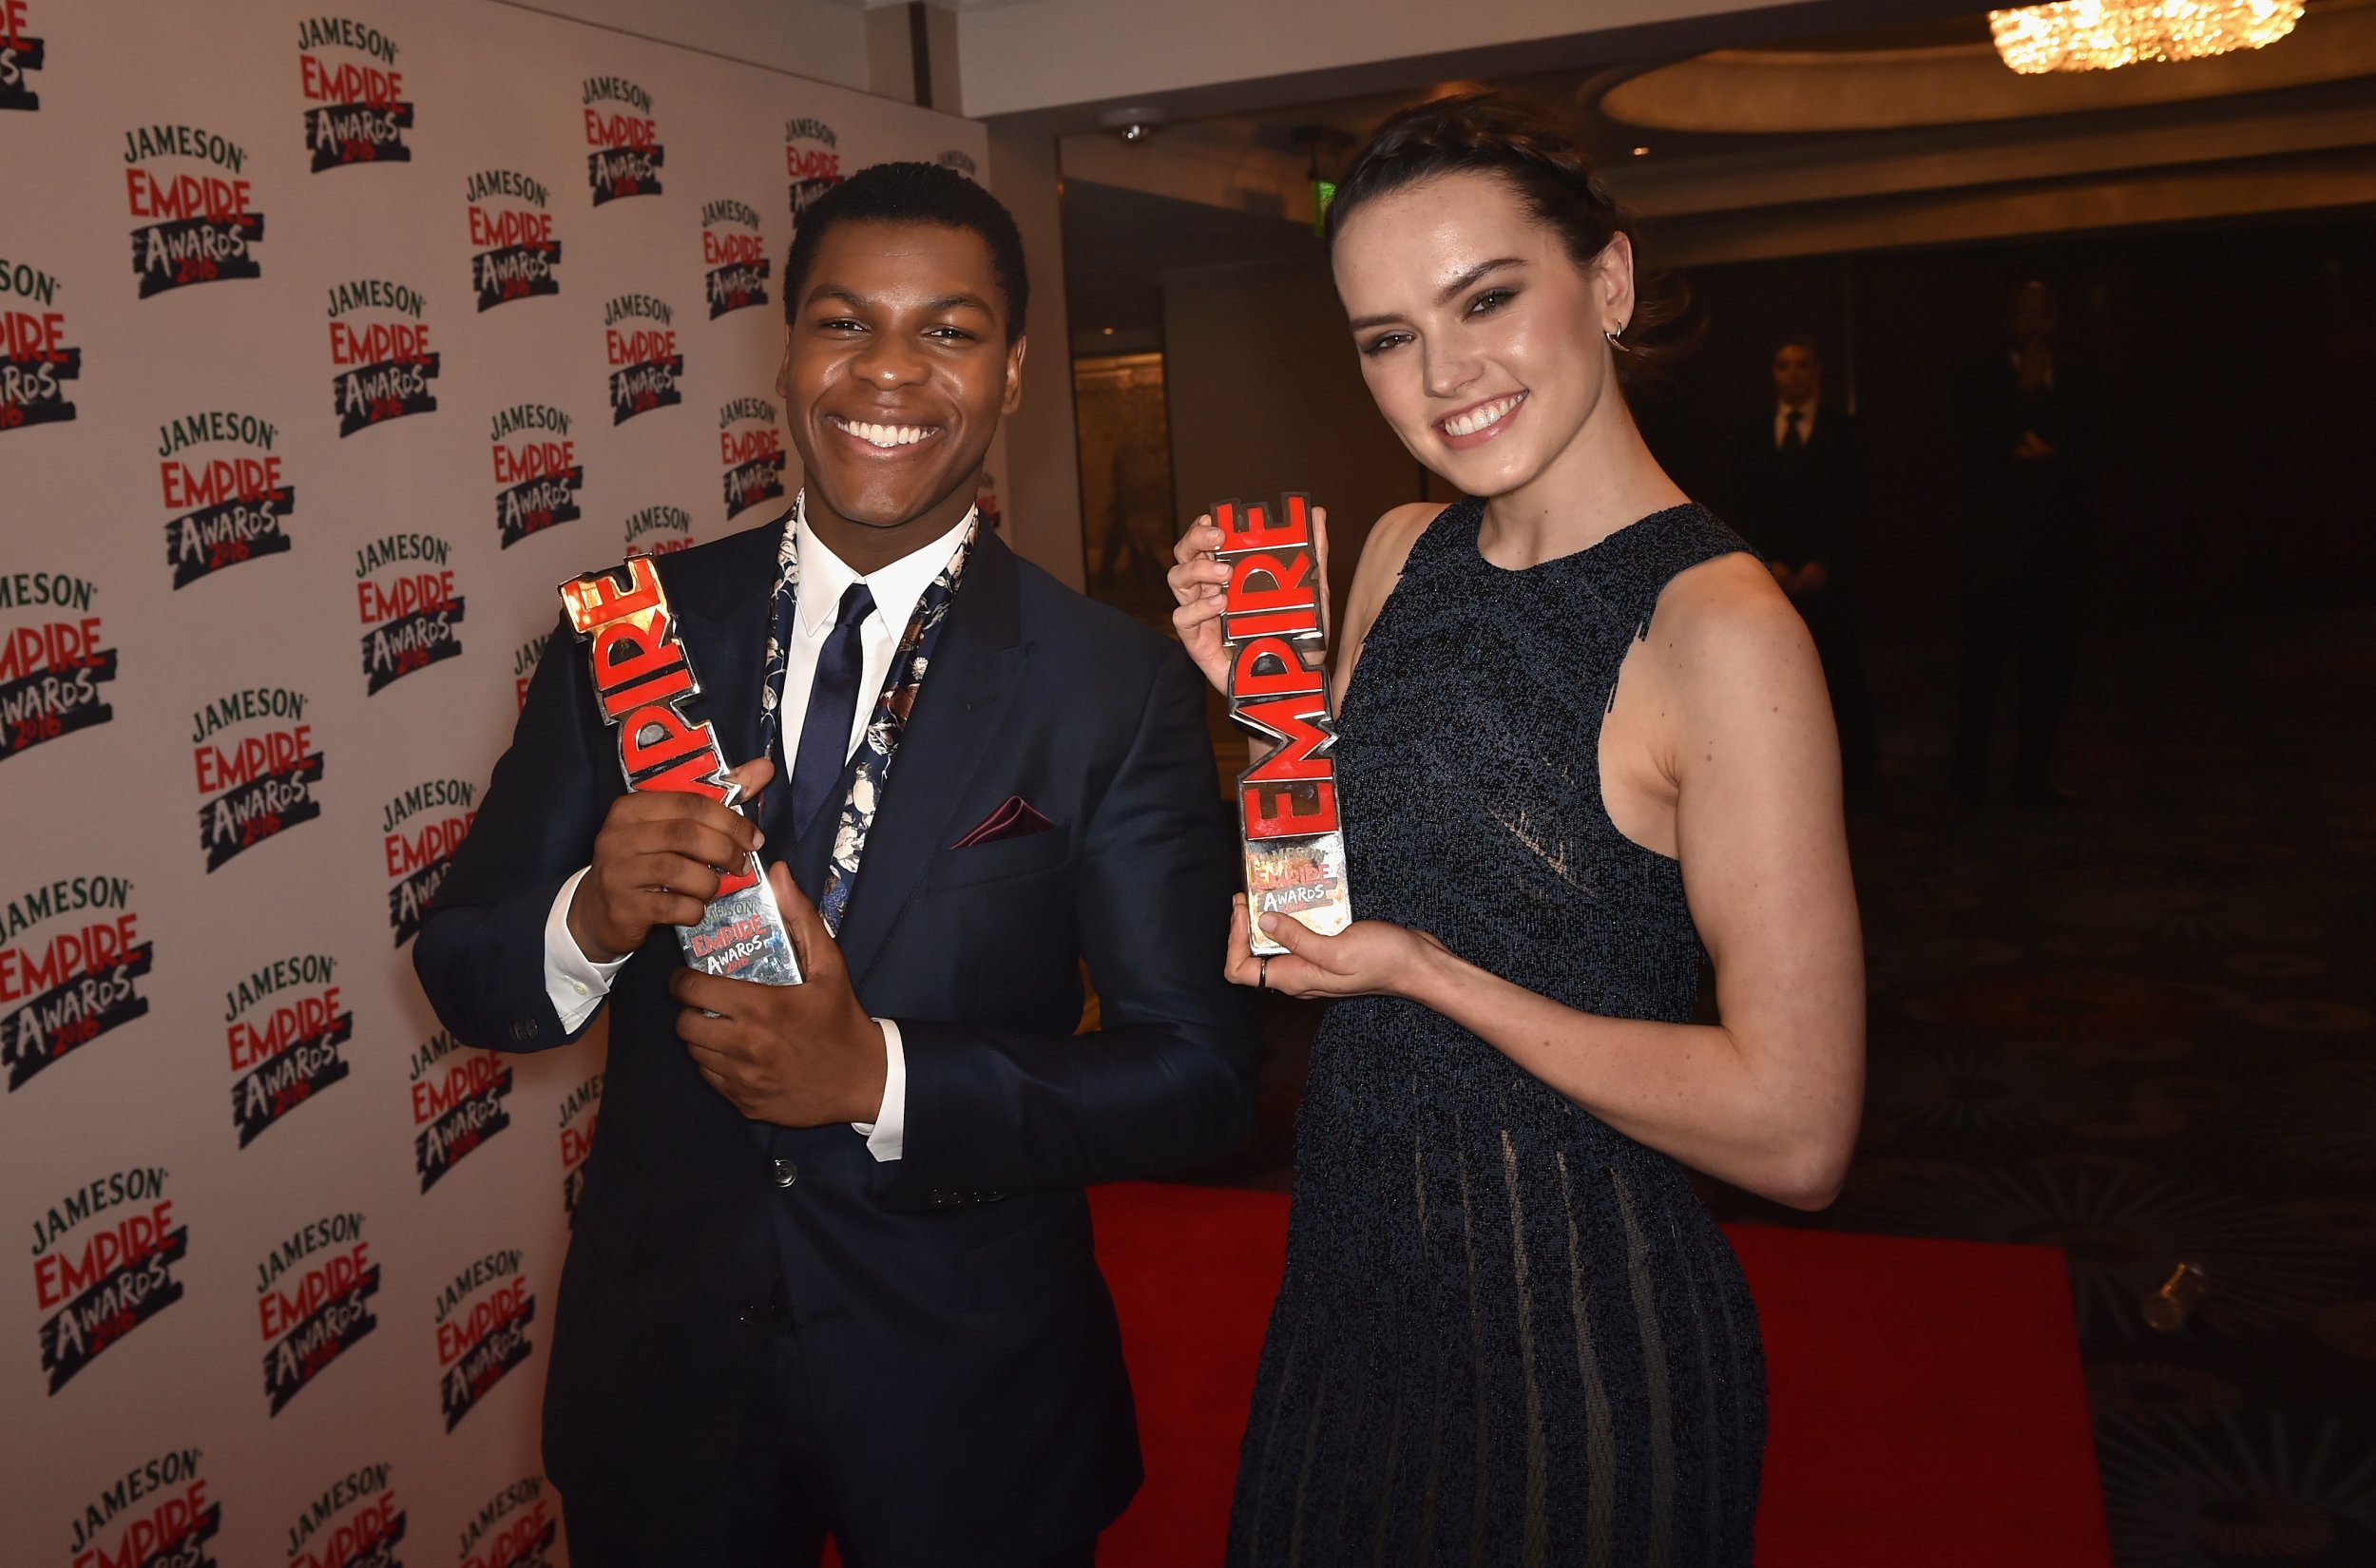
<point>334,338</point>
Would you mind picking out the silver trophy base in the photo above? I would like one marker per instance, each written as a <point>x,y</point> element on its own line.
<point>1303,877</point>
<point>742,936</point>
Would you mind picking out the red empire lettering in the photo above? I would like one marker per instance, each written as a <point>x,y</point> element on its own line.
<point>812,163</point>
<point>68,955</point>
<point>25,336</point>
<point>55,645</point>
<point>355,1535</point>
<point>657,735</point>
<point>576,1143</point>
<point>699,774</point>
<point>274,752</point>
<point>382,342</point>
<point>380,89</point>
<point>187,196</point>
<point>1288,810</point>
<point>13,22</point>
<point>474,1074</point>
<point>405,596</point>
<point>718,250</point>
<point>1253,527</point>
<point>433,843</point>
<point>488,1313</point>
<point>619,130</point>
<point>1301,723</point>
<point>153,1533</point>
<point>1269,667</point>
<point>600,597</point>
<point>639,348</point>
<point>515,1542</point>
<point>187,489</point>
<point>58,1278</point>
<point>748,446</point>
<point>302,1018</point>
<point>278,1312</point>
<point>509,227</point>
<point>537,460</point>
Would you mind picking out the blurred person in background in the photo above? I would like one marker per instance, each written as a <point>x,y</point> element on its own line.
<point>1795,478</point>
<point>2032,446</point>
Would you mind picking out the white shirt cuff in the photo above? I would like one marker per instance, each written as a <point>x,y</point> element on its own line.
<point>575,983</point>
<point>884,1135</point>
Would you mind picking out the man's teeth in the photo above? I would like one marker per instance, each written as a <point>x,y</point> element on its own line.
<point>1478,418</point>
<point>886,436</point>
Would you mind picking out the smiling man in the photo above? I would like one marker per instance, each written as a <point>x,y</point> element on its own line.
<point>831,1269</point>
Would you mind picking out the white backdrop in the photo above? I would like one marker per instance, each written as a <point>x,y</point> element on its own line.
<point>334,338</point>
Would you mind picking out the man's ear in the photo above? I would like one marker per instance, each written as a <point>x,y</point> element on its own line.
<point>1014,376</point>
<point>783,373</point>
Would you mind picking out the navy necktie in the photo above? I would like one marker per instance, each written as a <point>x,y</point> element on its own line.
<point>833,703</point>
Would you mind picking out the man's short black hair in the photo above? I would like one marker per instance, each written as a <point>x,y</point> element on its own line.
<point>915,193</point>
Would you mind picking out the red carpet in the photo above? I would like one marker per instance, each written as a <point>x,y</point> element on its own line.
<point>1927,1400</point>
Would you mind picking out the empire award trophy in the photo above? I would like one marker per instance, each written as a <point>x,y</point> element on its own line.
<point>1277,689</point>
<point>642,678</point>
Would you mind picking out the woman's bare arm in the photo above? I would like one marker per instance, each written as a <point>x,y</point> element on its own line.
<point>1769,1097</point>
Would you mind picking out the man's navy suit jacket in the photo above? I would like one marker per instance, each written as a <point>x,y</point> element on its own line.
<point>957,1340</point>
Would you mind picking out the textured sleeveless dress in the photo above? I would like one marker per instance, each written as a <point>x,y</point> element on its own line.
<point>1508,1333</point>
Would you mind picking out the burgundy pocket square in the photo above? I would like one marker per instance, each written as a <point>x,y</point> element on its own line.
<point>1017,818</point>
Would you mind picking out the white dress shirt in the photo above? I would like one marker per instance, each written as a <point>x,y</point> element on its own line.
<point>1782,422</point>
<point>577,984</point>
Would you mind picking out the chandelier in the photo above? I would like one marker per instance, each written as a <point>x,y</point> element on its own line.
<point>2104,34</point>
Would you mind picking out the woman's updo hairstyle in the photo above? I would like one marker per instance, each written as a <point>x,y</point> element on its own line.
<point>1521,142</point>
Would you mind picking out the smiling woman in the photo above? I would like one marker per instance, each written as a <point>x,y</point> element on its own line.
<point>1584,747</point>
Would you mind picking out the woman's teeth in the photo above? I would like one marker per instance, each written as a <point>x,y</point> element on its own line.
<point>1478,418</point>
<point>885,436</point>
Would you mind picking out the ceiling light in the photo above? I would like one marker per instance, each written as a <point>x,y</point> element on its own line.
<point>1134,124</point>
<point>2106,34</point>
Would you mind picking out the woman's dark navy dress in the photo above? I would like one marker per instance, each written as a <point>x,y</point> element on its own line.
<point>1508,1332</point>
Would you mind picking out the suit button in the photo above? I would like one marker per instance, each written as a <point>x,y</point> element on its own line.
<point>785,1174</point>
<point>748,1313</point>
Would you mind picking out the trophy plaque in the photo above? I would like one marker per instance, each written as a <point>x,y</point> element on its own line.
<point>642,678</point>
<point>1279,690</point>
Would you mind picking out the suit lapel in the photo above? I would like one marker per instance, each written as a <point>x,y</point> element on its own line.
<point>957,716</point>
<point>724,627</point>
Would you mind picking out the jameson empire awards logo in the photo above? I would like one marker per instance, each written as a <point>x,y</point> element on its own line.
<point>645,364</point>
<point>735,254</point>
<point>658,530</point>
<point>201,226</point>
<point>483,1321</point>
<point>73,982</point>
<point>353,1524</point>
<point>410,618</point>
<point>34,358</point>
<point>754,458</point>
<point>384,367</point>
<point>628,156</point>
<point>811,161</point>
<point>313,1303</point>
<point>233,502</point>
<point>524,660</point>
<point>421,854</point>
<point>51,664</point>
<point>513,1529</point>
<point>348,72</point>
<point>458,1097</point>
<point>102,1265</point>
<point>515,253</point>
<point>283,1024</point>
<point>537,471</point>
<point>257,784</point>
<point>155,1514</point>
<point>580,1110</point>
<point>19,54</point>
